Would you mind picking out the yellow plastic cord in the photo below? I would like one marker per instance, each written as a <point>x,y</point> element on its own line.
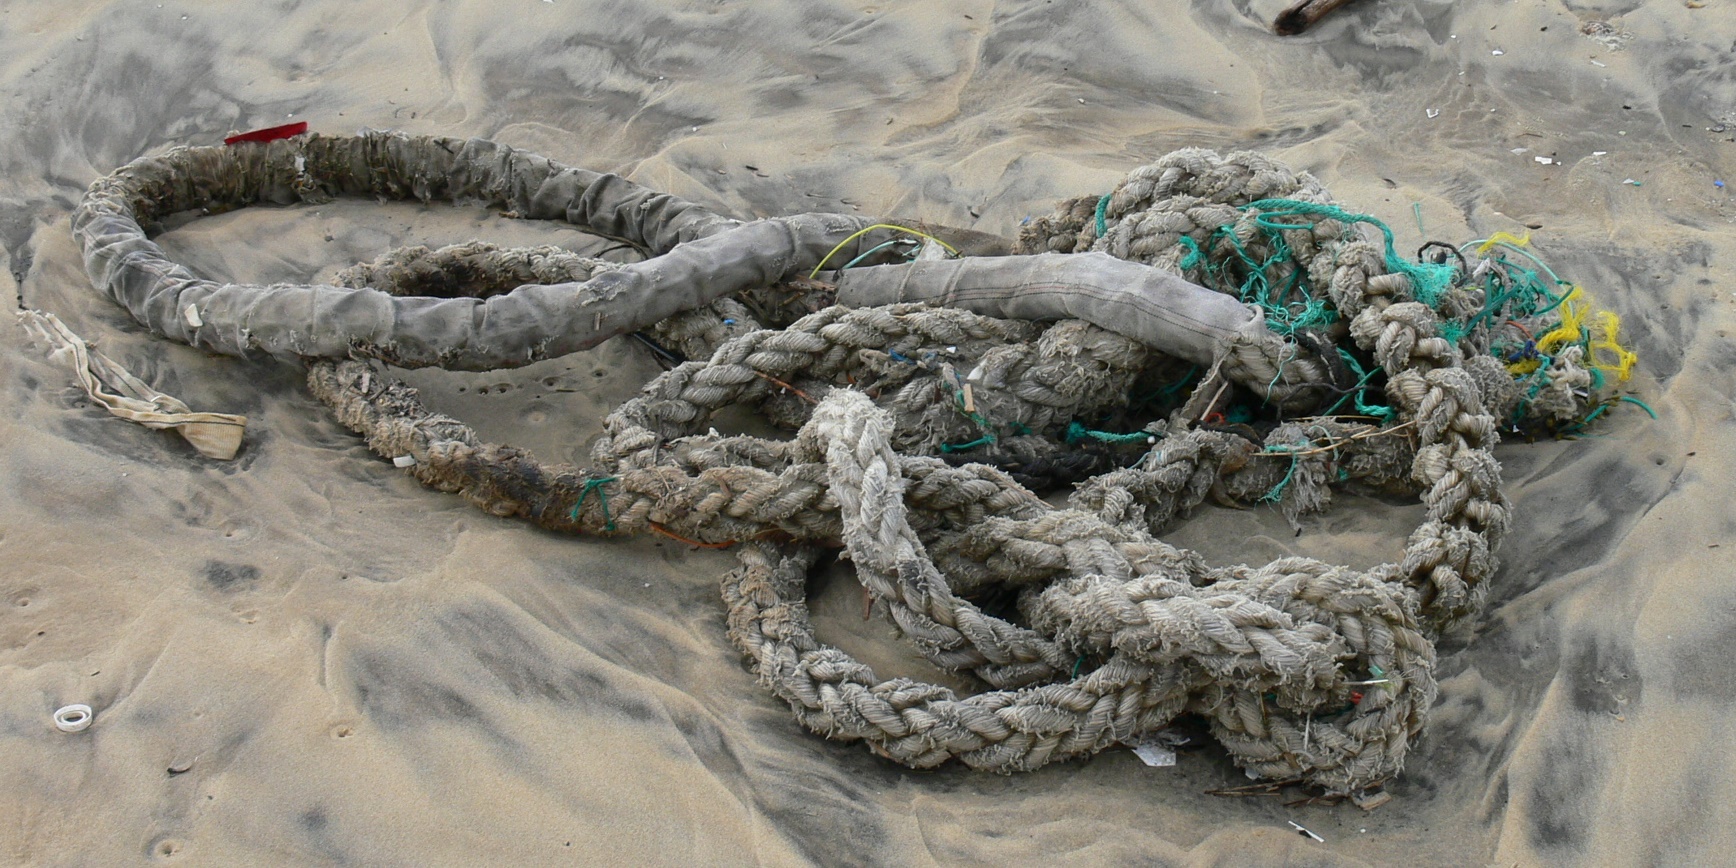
<point>1571,330</point>
<point>1503,238</point>
<point>855,235</point>
<point>1604,351</point>
<point>1602,338</point>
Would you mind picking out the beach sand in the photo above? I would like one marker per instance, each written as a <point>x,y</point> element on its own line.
<point>304,657</point>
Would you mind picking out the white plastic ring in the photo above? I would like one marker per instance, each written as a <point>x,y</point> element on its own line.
<point>73,718</point>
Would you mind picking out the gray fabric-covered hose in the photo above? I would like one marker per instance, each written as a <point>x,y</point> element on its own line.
<point>1156,308</point>
<point>698,255</point>
<point>1149,305</point>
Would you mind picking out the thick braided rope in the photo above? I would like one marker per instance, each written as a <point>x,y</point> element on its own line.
<point>721,498</point>
<point>1080,550</point>
<point>1023,386</point>
<point>1451,554</point>
<point>1078,541</point>
<point>1172,647</point>
<point>1267,655</point>
<point>1195,179</point>
<point>655,430</point>
<point>920,361</point>
<point>1275,368</point>
<point>1192,192</point>
<point>1256,729</point>
<point>918,724</point>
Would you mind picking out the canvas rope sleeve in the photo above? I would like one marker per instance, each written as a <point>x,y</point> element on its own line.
<point>698,256</point>
<point>1154,307</point>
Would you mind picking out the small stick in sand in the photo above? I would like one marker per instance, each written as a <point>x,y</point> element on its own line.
<point>1262,788</point>
<point>1302,16</point>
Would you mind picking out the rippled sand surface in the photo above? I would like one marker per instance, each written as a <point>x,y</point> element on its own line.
<point>303,657</point>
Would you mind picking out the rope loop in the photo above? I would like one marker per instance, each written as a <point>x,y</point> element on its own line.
<point>1302,669</point>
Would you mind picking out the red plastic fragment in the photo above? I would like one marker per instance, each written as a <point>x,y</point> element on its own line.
<point>269,134</point>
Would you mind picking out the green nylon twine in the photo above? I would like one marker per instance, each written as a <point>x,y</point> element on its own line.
<point>1277,492</point>
<point>960,447</point>
<point>1077,433</point>
<point>1428,281</point>
<point>596,484</point>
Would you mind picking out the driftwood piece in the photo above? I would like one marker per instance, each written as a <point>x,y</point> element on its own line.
<point>1302,16</point>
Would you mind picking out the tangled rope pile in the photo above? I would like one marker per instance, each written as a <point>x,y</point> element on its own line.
<point>902,410</point>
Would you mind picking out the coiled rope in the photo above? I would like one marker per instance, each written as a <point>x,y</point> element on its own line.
<point>1302,669</point>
